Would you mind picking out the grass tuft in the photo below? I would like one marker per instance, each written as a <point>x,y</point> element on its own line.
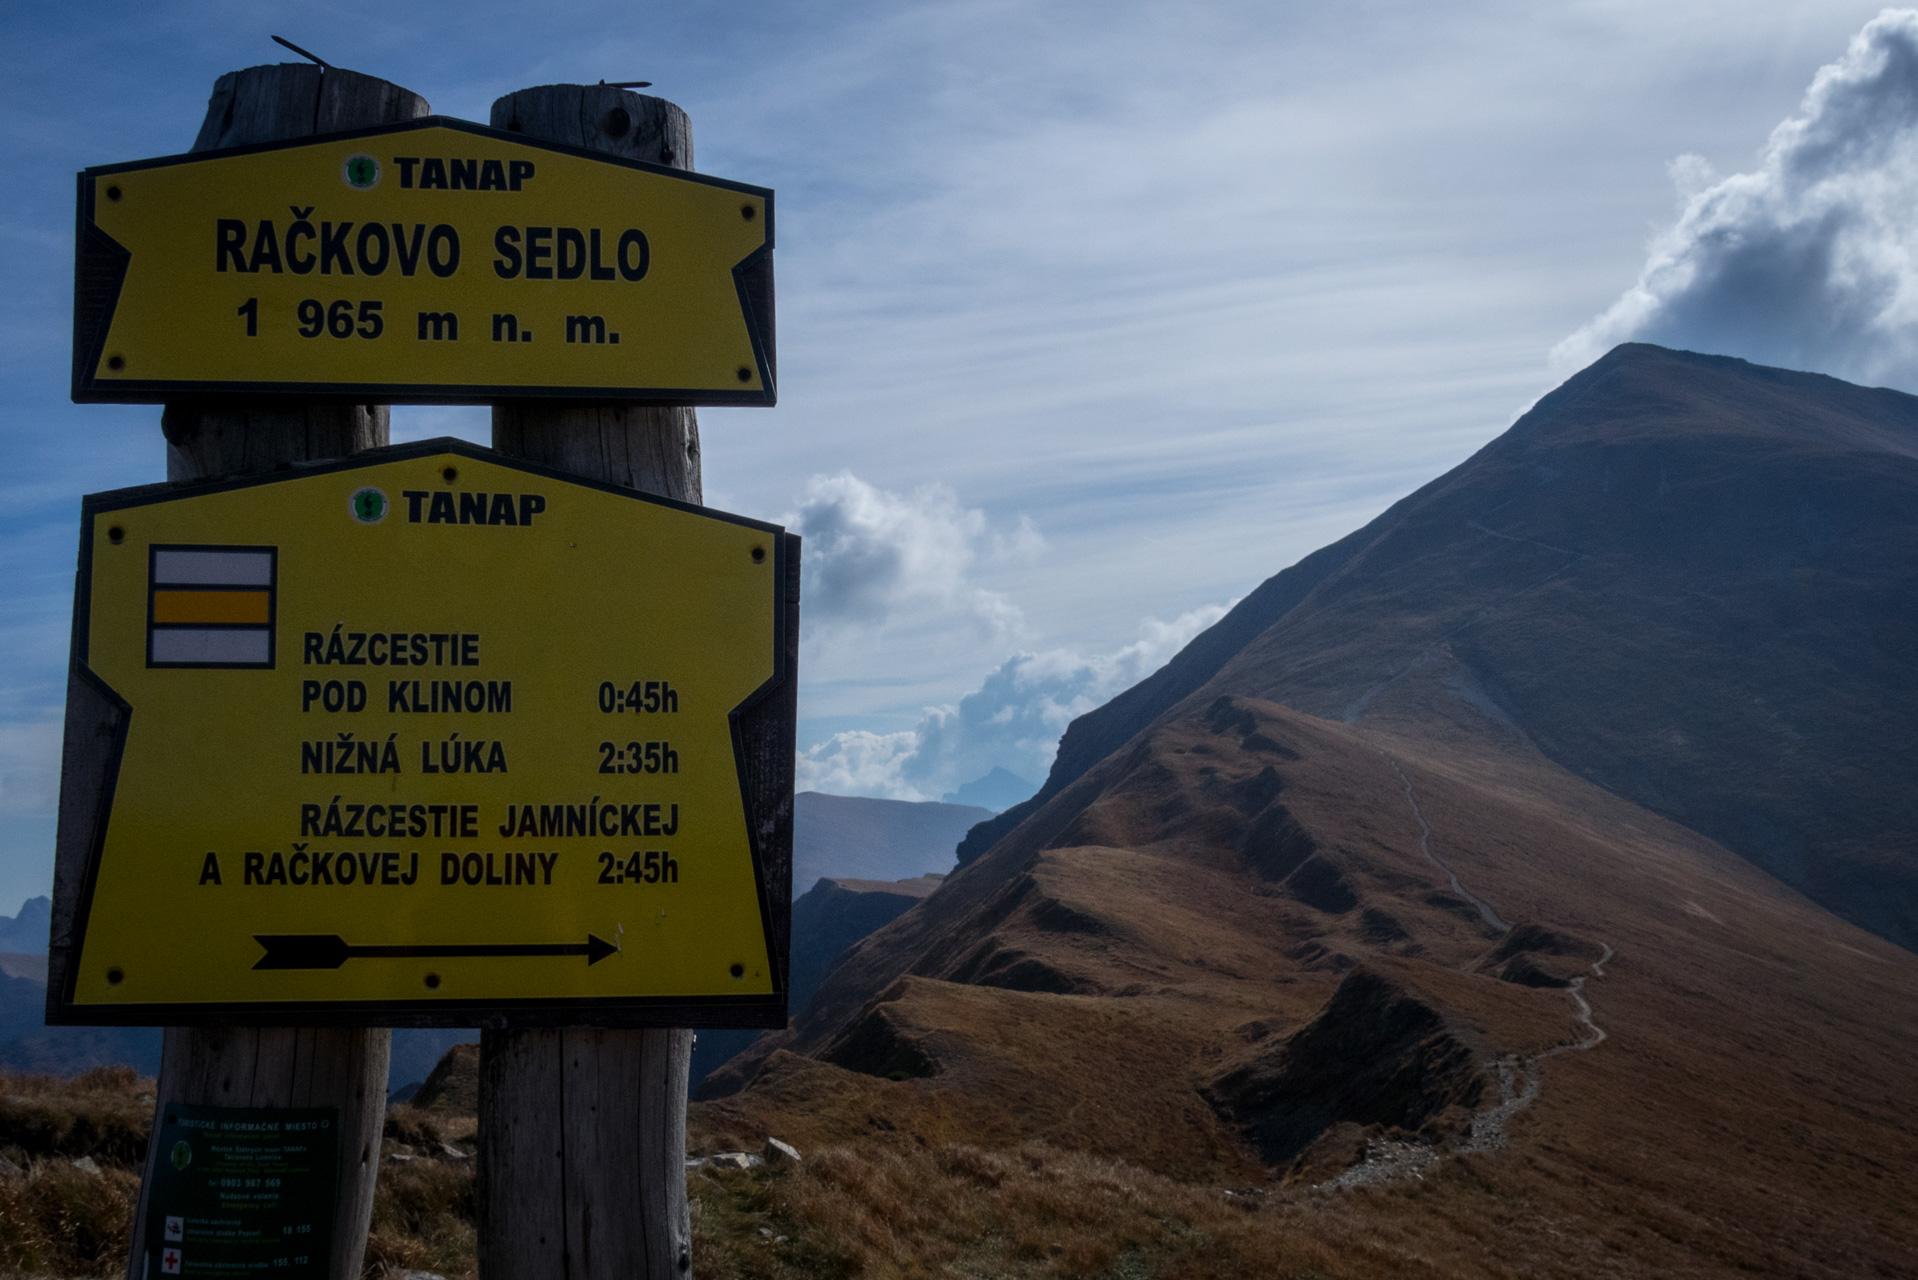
<point>423,1216</point>
<point>62,1221</point>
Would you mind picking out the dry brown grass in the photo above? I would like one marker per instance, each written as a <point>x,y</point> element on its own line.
<point>1748,1114</point>
<point>103,1113</point>
<point>423,1220</point>
<point>912,1201</point>
<point>423,1204</point>
<point>57,1219</point>
<point>885,1212</point>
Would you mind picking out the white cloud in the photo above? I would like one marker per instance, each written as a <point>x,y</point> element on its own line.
<point>858,763</point>
<point>872,556</point>
<point>1811,261</point>
<point>30,768</point>
<point>1013,720</point>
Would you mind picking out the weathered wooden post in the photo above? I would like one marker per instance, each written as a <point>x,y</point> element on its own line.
<point>583,1131</point>
<point>342,1067</point>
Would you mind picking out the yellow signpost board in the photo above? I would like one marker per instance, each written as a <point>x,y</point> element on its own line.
<point>428,736</point>
<point>437,262</point>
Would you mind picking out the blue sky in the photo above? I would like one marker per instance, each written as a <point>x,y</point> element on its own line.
<point>1093,316</point>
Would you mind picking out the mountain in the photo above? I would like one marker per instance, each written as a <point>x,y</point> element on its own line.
<point>867,839</point>
<point>1534,855</point>
<point>26,933</point>
<point>1685,578</point>
<point>827,919</point>
<point>28,1044</point>
<point>418,1050</point>
<point>837,912</point>
<point>998,790</point>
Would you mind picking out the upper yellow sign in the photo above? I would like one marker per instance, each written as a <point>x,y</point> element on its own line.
<point>437,261</point>
<point>430,736</point>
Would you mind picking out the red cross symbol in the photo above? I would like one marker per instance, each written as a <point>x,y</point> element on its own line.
<point>170,1262</point>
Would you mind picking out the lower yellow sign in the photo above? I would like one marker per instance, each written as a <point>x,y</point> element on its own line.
<point>434,735</point>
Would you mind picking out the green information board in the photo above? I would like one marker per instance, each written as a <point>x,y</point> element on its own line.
<point>243,1191</point>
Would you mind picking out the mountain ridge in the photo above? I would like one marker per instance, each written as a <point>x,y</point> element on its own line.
<point>1443,880</point>
<point>1670,427</point>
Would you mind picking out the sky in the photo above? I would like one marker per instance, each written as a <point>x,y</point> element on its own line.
<point>1092,316</point>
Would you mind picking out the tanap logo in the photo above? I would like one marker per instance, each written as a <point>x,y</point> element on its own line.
<point>369,505</point>
<point>361,172</point>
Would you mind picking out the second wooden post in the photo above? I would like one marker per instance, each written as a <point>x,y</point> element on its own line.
<point>583,1131</point>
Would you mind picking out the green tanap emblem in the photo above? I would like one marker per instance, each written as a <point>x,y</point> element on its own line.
<point>182,1155</point>
<point>368,505</point>
<point>361,171</point>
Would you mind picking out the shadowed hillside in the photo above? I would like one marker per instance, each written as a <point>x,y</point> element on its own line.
<point>827,919</point>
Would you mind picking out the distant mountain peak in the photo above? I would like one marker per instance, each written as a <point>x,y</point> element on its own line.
<point>871,839</point>
<point>27,932</point>
<point>997,790</point>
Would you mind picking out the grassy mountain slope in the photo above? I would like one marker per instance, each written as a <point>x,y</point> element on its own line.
<point>1490,860</point>
<point>1686,578</point>
<point>1224,955</point>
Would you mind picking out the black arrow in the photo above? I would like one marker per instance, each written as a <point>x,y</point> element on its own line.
<point>330,950</point>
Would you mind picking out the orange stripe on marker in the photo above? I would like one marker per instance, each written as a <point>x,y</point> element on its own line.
<point>211,606</point>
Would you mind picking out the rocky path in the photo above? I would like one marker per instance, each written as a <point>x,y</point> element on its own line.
<point>1425,847</point>
<point>1519,1078</point>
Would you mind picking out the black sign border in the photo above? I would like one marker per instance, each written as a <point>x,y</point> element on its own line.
<point>101,263</point>
<point>763,729</point>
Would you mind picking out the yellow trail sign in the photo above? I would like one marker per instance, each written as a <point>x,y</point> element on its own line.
<point>432,738</point>
<point>437,262</point>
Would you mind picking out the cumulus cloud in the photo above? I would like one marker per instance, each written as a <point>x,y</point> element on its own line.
<point>1013,720</point>
<point>1808,262</point>
<point>873,555</point>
